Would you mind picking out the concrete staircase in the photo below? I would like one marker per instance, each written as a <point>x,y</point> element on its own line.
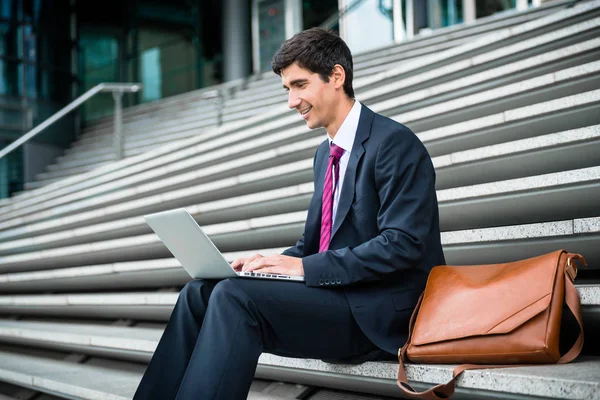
<point>507,107</point>
<point>150,125</point>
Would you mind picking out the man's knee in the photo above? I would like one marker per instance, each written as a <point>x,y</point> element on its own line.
<point>195,290</point>
<point>228,291</point>
<point>223,290</point>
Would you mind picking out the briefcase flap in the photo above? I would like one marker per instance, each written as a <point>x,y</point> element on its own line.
<point>468,301</point>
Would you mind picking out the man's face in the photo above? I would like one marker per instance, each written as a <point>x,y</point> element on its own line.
<point>309,95</point>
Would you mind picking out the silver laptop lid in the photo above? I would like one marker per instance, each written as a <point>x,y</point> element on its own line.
<point>190,245</point>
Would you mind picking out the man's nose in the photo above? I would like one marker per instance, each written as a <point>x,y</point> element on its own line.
<point>293,100</point>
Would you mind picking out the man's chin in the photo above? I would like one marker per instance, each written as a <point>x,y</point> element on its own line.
<point>312,125</point>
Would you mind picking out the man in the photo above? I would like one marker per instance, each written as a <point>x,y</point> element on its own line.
<point>371,238</point>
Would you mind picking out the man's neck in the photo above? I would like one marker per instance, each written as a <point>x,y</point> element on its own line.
<point>342,112</point>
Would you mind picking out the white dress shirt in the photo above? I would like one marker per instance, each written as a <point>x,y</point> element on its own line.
<point>344,138</point>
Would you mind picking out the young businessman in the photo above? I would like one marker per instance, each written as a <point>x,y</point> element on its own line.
<point>371,237</point>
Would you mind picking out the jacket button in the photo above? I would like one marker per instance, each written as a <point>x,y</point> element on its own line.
<point>327,281</point>
<point>321,282</point>
<point>338,281</point>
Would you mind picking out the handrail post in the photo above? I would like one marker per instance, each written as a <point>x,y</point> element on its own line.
<point>118,124</point>
<point>220,107</point>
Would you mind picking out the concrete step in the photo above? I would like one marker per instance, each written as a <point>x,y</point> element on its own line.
<point>67,379</point>
<point>546,153</point>
<point>471,246</point>
<point>577,380</point>
<point>164,272</point>
<point>527,157</point>
<point>151,123</point>
<point>65,163</point>
<point>540,89</point>
<point>493,69</point>
<point>145,113</point>
<point>588,97</point>
<point>248,167</point>
<point>157,306</point>
<point>530,199</point>
<point>135,134</point>
<point>147,118</point>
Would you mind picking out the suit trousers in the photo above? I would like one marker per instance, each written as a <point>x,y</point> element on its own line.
<point>218,329</point>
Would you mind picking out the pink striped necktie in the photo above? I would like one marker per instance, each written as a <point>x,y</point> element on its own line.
<point>335,152</point>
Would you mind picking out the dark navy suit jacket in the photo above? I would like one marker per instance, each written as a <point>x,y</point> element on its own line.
<point>385,237</point>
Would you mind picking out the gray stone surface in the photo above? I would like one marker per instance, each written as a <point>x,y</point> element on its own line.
<point>150,239</point>
<point>521,113</point>
<point>498,93</point>
<point>515,232</point>
<point>536,41</point>
<point>589,295</point>
<point>78,201</point>
<point>553,105</point>
<point>519,146</point>
<point>532,183</point>
<point>468,236</point>
<point>488,74</point>
<point>72,380</point>
<point>579,380</point>
<point>587,225</point>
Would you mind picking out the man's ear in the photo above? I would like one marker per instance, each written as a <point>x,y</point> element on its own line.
<point>338,76</point>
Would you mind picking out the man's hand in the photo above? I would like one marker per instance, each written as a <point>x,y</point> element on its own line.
<point>276,264</point>
<point>239,263</point>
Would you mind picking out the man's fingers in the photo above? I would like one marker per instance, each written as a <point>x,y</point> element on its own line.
<point>252,258</point>
<point>257,264</point>
<point>238,263</point>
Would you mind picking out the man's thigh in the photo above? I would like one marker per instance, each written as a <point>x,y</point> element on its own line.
<point>301,321</point>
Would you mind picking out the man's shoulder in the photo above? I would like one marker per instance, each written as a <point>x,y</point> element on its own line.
<point>388,130</point>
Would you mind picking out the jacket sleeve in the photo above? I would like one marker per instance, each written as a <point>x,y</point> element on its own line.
<point>404,179</point>
<point>297,250</point>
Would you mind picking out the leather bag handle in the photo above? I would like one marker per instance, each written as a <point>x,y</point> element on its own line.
<point>446,390</point>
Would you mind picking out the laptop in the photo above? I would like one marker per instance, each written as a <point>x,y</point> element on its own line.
<point>195,251</point>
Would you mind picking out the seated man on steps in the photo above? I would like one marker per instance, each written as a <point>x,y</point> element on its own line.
<point>371,237</point>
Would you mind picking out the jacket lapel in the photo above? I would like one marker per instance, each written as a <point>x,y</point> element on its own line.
<point>362,133</point>
<point>313,219</point>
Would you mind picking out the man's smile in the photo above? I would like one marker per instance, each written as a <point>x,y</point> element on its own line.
<point>305,110</point>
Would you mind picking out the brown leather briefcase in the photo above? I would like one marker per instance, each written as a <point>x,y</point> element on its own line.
<point>501,314</point>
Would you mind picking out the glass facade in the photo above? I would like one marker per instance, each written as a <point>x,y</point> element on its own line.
<point>377,15</point>
<point>52,51</point>
<point>35,78</point>
<point>271,21</point>
<point>171,47</point>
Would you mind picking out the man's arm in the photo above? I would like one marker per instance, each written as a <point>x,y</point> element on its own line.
<point>297,250</point>
<point>405,184</point>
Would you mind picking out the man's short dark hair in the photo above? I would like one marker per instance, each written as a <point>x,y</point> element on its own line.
<point>318,51</point>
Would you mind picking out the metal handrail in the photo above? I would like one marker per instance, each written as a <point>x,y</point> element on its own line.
<point>117,90</point>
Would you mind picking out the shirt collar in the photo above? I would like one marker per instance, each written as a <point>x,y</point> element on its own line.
<point>344,137</point>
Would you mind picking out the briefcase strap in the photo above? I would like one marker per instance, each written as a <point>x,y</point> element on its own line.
<point>445,391</point>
